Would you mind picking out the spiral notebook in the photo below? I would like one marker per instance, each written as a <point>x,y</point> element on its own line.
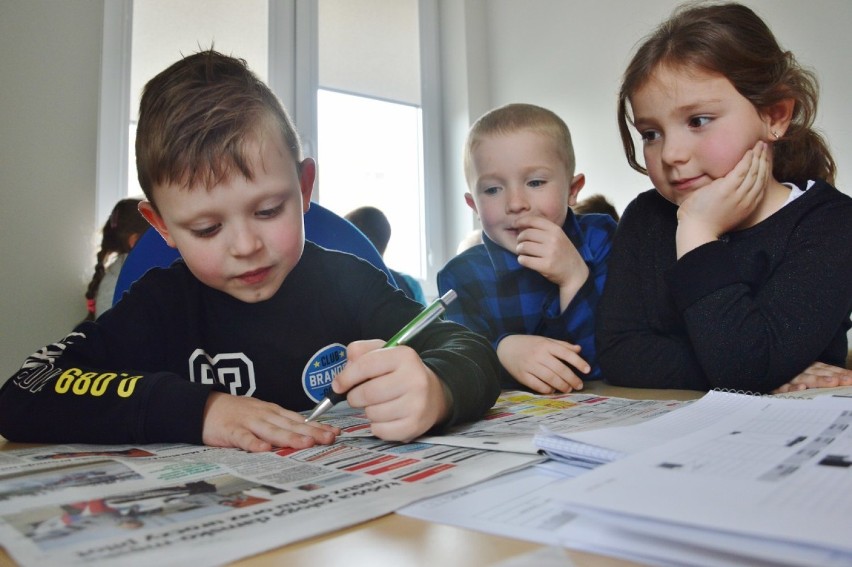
<point>766,481</point>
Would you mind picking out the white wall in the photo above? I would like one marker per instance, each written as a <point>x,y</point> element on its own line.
<point>48,120</point>
<point>568,56</point>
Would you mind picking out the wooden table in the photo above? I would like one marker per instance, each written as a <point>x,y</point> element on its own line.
<point>399,541</point>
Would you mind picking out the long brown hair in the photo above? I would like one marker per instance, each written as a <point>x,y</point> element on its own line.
<point>730,39</point>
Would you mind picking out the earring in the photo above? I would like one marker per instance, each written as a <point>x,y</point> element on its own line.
<point>774,134</point>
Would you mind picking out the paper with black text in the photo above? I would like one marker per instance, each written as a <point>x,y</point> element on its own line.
<point>769,470</point>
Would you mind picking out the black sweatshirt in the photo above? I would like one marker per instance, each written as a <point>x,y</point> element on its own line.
<point>747,312</point>
<point>142,372</point>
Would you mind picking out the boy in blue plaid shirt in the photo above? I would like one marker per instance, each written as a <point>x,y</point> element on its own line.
<point>532,286</point>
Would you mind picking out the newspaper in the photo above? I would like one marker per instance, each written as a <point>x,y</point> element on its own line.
<point>513,422</point>
<point>171,504</point>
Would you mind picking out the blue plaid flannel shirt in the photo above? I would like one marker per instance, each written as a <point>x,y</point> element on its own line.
<point>498,297</point>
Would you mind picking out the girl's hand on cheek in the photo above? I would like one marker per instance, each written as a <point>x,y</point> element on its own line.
<point>724,204</point>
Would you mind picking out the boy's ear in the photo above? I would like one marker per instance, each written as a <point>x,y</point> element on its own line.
<point>577,183</point>
<point>155,220</point>
<point>307,176</point>
<point>777,118</point>
<point>468,198</point>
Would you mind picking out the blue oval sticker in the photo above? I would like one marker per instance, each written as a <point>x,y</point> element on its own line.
<point>321,370</point>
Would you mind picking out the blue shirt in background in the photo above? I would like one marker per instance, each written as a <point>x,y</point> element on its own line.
<point>498,297</point>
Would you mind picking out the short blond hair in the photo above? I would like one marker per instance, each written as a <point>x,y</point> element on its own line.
<point>513,118</point>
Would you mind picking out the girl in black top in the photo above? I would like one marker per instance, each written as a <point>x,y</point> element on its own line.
<point>736,270</point>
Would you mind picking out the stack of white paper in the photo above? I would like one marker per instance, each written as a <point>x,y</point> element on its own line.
<point>768,480</point>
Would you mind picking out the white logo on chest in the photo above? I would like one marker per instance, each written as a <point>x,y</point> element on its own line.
<point>233,370</point>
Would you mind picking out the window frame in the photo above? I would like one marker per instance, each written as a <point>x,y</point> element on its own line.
<point>293,76</point>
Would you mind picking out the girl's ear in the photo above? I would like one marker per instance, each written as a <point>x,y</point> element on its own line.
<point>155,220</point>
<point>777,118</point>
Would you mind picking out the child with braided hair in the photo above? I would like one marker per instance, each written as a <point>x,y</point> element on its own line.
<point>118,236</point>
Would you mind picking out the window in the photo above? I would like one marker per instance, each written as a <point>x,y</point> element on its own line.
<point>333,63</point>
<point>369,132</point>
<point>375,160</point>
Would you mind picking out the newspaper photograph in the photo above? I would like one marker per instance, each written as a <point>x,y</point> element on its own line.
<point>170,504</point>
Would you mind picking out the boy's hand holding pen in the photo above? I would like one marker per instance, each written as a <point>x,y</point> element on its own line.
<point>429,314</point>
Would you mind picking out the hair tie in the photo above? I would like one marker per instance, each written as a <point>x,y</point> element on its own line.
<point>90,305</point>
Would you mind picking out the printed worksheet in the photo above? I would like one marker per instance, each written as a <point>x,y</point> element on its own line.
<point>531,504</point>
<point>772,470</point>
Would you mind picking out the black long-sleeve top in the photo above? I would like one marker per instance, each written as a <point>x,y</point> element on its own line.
<point>142,372</point>
<point>747,312</point>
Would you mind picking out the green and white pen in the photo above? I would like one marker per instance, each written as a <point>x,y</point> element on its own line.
<point>432,312</point>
